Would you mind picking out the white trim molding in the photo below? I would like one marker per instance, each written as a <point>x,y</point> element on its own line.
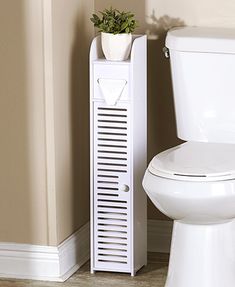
<point>48,263</point>
<point>159,235</point>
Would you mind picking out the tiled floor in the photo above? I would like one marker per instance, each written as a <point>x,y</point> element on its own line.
<point>152,275</point>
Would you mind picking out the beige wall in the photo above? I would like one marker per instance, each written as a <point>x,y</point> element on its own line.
<point>155,17</point>
<point>44,155</point>
<point>23,216</point>
<point>72,34</point>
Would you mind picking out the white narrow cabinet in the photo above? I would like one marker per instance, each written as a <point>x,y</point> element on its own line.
<point>118,159</point>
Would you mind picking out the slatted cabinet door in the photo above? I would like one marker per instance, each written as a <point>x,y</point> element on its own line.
<point>112,191</point>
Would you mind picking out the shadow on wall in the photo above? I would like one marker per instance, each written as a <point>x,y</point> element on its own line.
<point>80,122</point>
<point>160,26</point>
<point>161,116</point>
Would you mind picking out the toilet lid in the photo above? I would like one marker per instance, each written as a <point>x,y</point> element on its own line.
<point>196,161</point>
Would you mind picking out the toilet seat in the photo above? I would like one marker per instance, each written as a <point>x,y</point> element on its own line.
<point>196,161</point>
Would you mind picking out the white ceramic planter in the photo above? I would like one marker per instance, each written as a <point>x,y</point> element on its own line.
<point>116,47</point>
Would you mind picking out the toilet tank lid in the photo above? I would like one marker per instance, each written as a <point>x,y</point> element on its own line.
<point>201,39</point>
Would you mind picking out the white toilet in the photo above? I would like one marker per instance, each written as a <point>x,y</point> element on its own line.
<point>194,183</point>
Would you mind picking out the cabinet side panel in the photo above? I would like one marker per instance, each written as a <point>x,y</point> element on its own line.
<point>139,150</point>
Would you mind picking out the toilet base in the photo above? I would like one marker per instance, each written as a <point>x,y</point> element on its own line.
<point>202,255</point>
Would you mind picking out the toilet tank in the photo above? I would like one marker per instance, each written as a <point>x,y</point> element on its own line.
<point>203,75</point>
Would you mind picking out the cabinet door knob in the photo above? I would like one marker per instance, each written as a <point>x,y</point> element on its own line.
<point>125,188</point>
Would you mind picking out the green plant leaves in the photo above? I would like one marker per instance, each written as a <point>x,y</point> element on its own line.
<point>115,22</point>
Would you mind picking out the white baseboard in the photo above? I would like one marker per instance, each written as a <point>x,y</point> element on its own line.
<point>48,263</point>
<point>159,235</point>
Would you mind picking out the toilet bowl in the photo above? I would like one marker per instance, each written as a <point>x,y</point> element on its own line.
<point>194,183</point>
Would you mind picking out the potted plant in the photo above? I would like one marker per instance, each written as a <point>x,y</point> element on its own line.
<point>116,28</point>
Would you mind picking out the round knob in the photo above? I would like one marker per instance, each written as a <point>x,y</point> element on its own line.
<point>125,188</point>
